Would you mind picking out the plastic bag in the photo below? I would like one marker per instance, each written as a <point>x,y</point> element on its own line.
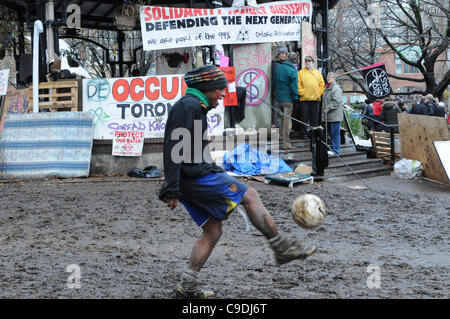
<point>408,169</point>
<point>148,172</point>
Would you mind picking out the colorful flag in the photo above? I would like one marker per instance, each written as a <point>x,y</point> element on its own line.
<point>377,81</point>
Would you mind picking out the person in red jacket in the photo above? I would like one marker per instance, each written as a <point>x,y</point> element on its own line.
<point>377,106</point>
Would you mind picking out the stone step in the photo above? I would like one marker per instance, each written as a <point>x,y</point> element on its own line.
<point>307,157</point>
<point>348,175</point>
<point>355,165</point>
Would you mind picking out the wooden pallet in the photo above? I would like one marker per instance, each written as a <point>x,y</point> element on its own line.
<point>57,96</point>
<point>381,142</point>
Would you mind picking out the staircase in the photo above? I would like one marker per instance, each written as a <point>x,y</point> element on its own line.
<point>336,171</point>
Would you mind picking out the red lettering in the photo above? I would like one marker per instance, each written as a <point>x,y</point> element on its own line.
<point>148,16</point>
<point>188,12</point>
<point>164,14</point>
<point>178,12</point>
<point>183,86</point>
<point>120,97</point>
<point>165,93</point>
<point>197,12</point>
<point>136,96</point>
<point>156,11</point>
<point>151,95</point>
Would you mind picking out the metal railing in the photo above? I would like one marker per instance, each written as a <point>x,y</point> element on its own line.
<point>390,127</point>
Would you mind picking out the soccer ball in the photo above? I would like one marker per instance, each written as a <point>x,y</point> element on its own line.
<point>308,211</point>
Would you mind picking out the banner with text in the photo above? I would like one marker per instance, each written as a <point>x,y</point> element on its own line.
<point>172,27</point>
<point>138,104</point>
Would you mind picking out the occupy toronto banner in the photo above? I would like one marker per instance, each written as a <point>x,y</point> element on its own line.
<point>138,104</point>
<point>172,27</point>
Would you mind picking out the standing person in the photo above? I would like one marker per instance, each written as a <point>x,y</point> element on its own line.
<point>333,111</point>
<point>389,114</point>
<point>377,106</point>
<point>418,109</point>
<point>440,110</point>
<point>310,89</point>
<point>430,103</point>
<point>403,107</point>
<point>285,84</point>
<point>279,59</point>
<point>369,113</point>
<point>207,192</point>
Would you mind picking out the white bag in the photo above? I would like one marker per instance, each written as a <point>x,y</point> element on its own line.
<point>408,169</point>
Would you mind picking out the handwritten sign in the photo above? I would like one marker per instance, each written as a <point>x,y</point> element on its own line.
<point>138,104</point>
<point>173,27</point>
<point>4,74</point>
<point>16,101</point>
<point>128,143</point>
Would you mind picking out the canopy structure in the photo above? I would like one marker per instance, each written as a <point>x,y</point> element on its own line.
<point>100,14</point>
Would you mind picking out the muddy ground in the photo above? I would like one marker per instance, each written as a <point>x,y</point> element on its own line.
<point>129,245</point>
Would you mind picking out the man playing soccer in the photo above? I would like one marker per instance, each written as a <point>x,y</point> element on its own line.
<point>207,192</point>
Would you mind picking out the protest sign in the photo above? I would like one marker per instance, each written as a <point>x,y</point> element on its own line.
<point>128,143</point>
<point>138,104</point>
<point>173,27</point>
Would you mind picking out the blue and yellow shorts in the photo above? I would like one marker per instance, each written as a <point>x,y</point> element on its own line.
<point>213,195</point>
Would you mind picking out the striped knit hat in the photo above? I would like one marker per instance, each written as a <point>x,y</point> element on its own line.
<point>206,78</point>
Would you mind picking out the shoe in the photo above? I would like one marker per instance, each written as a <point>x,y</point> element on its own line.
<point>315,173</point>
<point>198,293</point>
<point>330,153</point>
<point>294,251</point>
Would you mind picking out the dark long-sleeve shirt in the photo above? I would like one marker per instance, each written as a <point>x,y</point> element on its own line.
<point>186,150</point>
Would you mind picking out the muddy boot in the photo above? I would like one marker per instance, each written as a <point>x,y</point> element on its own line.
<point>286,251</point>
<point>189,288</point>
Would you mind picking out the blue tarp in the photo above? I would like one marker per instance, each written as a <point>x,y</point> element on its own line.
<point>247,160</point>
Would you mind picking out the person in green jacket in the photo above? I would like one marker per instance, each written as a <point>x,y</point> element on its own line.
<point>286,92</point>
<point>332,111</point>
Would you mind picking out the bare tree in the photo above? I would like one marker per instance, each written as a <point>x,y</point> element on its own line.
<point>93,54</point>
<point>399,25</point>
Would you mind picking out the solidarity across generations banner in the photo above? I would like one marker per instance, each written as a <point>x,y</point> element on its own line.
<point>171,27</point>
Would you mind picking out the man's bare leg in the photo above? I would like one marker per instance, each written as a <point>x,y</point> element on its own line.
<point>258,214</point>
<point>189,286</point>
<point>212,230</point>
<point>285,250</point>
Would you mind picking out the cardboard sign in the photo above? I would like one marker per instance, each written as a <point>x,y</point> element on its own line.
<point>128,143</point>
<point>230,98</point>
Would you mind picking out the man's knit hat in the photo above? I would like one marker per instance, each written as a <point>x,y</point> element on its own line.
<point>206,78</point>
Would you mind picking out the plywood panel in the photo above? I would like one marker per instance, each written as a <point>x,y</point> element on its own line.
<point>417,134</point>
